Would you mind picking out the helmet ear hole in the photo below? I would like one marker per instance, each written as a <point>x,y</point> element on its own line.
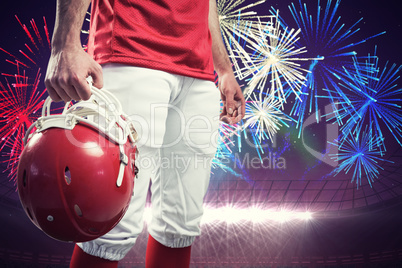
<point>78,210</point>
<point>67,175</point>
<point>93,230</point>
<point>24,178</point>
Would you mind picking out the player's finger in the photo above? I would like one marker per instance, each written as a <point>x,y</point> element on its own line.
<point>223,98</point>
<point>82,88</point>
<point>62,94</point>
<point>97,76</point>
<point>66,84</point>
<point>52,92</point>
<point>241,106</point>
<point>239,114</point>
<point>223,112</point>
<point>71,92</point>
<point>226,119</point>
<point>230,103</point>
<point>59,89</point>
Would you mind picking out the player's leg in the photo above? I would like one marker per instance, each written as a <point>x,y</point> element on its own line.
<point>159,255</point>
<point>138,90</point>
<point>177,194</point>
<point>80,259</point>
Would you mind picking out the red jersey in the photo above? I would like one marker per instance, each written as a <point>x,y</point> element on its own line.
<point>167,35</point>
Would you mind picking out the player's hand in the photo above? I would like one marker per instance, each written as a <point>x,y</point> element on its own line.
<point>233,100</point>
<point>67,72</point>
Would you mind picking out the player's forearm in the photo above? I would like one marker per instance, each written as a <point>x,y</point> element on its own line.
<point>70,15</point>
<point>222,63</point>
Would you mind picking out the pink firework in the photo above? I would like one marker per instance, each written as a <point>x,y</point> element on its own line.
<point>32,51</point>
<point>21,98</point>
<point>19,108</point>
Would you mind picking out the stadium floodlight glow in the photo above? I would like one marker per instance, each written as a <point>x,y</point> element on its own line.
<point>282,216</point>
<point>258,215</point>
<point>306,215</point>
<point>147,216</point>
<point>231,215</point>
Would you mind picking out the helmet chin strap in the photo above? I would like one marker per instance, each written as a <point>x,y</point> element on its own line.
<point>101,105</point>
<point>123,164</point>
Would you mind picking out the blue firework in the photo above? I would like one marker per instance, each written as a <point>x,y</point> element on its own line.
<point>358,154</point>
<point>226,160</point>
<point>223,158</point>
<point>375,99</point>
<point>332,44</point>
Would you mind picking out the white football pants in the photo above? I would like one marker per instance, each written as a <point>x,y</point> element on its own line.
<point>177,119</point>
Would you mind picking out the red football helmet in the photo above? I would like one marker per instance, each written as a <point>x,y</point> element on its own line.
<point>76,173</point>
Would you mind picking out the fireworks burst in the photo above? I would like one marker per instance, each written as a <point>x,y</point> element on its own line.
<point>20,93</point>
<point>12,156</point>
<point>375,99</point>
<point>223,159</point>
<point>235,19</point>
<point>273,59</point>
<point>325,38</point>
<point>359,153</point>
<point>18,109</point>
<point>265,116</point>
<point>35,51</point>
